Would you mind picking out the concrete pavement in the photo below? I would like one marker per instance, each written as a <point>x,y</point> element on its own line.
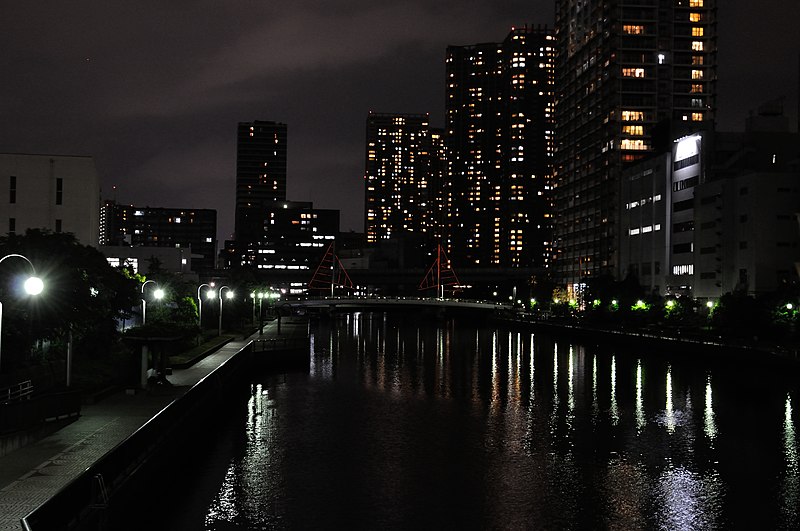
<point>32,474</point>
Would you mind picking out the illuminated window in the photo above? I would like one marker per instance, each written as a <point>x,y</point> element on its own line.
<point>633,72</point>
<point>697,46</point>
<point>697,74</point>
<point>632,116</point>
<point>697,87</point>
<point>635,130</point>
<point>697,60</point>
<point>632,144</point>
<point>697,117</point>
<point>697,32</point>
<point>695,3</point>
<point>632,29</point>
<point>695,17</point>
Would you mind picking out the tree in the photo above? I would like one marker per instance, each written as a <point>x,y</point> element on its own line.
<point>83,295</point>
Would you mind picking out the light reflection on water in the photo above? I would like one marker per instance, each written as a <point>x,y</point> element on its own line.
<point>790,490</point>
<point>640,419</point>
<point>404,423</point>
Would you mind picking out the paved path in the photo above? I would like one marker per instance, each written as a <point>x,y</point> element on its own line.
<point>30,475</point>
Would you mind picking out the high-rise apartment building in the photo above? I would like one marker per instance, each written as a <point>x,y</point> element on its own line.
<point>499,125</point>
<point>631,76</point>
<point>260,176</point>
<point>405,163</point>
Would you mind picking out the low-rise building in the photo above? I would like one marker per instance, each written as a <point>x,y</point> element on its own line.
<point>59,193</point>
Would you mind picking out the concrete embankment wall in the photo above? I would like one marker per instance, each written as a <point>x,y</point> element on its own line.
<point>124,473</point>
<point>662,343</point>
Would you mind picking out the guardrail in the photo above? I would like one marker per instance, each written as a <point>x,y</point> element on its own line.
<point>16,392</point>
<point>34,411</point>
<point>279,343</point>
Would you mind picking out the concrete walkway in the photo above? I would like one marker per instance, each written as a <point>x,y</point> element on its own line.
<point>30,475</point>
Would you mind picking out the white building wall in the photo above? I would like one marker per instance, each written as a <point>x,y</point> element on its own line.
<point>36,203</point>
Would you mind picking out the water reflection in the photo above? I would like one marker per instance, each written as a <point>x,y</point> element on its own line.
<point>614,407</point>
<point>709,421</point>
<point>791,483</point>
<point>403,423</point>
<point>669,412</point>
<point>595,405</point>
<point>688,499</point>
<point>640,420</point>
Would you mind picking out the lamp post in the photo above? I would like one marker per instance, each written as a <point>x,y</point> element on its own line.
<point>260,314</point>
<point>228,295</point>
<point>256,295</point>
<point>33,285</point>
<point>200,304</point>
<point>158,294</point>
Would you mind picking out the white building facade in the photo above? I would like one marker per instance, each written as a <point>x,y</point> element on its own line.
<point>59,193</point>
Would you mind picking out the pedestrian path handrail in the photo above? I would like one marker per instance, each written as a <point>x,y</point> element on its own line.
<point>279,343</point>
<point>14,393</point>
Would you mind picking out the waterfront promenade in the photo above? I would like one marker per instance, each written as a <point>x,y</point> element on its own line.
<point>32,474</point>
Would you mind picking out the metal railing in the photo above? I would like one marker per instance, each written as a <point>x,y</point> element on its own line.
<point>15,393</point>
<point>280,343</point>
<point>37,410</point>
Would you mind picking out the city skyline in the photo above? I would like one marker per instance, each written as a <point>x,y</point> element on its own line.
<point>155,96</point>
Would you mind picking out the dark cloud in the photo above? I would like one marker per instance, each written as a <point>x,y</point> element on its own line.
<point>154,90</point>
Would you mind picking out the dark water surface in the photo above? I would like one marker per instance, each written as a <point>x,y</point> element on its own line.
<point>412,423</point>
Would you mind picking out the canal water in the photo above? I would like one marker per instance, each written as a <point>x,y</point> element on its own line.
<point>408,422</point>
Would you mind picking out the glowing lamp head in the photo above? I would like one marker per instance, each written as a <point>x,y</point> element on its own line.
<point>34,286</point>
<point>158,294</point>
<point>229,295</point>
<point>210,294</point>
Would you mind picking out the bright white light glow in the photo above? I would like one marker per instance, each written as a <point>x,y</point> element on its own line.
<point>687,147</point>
<point>34,286</point>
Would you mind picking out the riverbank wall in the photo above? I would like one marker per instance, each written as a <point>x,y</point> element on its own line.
<point>678,344</point>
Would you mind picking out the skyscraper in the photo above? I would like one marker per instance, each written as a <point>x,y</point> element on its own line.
<point>499,122</point>
<point>260,176</point>
<point>630,78</point>
<point>403,173</point>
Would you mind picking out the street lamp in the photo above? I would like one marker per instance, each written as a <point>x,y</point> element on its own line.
<point>255,296</point>
<point>261,296</point>
<point>33,285</point>
<point>158,294</point>
<point>200,303</point>
<point>228,295</point>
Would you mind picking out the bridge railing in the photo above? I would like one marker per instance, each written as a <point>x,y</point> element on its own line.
<point>398,299</point>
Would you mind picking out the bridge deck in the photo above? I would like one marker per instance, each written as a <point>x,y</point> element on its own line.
<point>392,302</point>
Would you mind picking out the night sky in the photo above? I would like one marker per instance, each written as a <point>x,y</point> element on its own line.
<point>153,90</point>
